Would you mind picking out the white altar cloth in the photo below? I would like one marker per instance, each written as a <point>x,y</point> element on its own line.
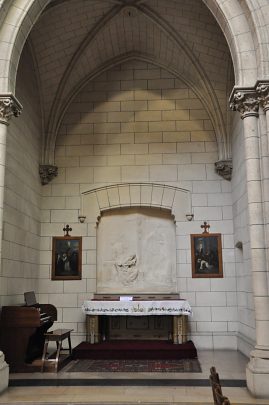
<point>137,308</point>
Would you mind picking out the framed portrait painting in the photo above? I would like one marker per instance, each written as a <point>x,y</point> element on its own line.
<point>206,255</point>
<point>66,258</point>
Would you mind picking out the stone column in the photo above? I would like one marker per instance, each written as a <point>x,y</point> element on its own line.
<point>9,107</point>
<point>247,103</point>
<point>263,93</point>
<point>4,373</point>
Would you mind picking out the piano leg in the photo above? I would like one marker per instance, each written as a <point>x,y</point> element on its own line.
<point>36,342</point>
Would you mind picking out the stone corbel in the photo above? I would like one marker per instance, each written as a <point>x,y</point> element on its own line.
<point>9,107</point>
<point>47,173</point>
<point>224,168</point>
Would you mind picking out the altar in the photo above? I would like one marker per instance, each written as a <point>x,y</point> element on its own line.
<point>98,311</point>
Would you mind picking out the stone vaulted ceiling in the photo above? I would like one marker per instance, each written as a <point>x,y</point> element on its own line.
<point>75,40</point>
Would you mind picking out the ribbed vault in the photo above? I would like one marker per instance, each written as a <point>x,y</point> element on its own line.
<point>134,33</point>
<point>72,40</point>
<point>144,30</point>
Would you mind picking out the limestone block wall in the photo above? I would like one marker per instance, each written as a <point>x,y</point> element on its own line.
<point>246,315</point>
<point>139,123</point>
<point>20,265</point>
<point>195,23</point>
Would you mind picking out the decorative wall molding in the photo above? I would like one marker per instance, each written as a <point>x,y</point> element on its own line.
<point>9,107</point>
<point>224,168</point>
<point>47,173</point>
<point>125,195</point>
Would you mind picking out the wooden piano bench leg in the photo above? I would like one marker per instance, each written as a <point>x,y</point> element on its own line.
<point>57,358</point>
<point>44,355</point>
<point>56,336</point>
<point>69,344</point>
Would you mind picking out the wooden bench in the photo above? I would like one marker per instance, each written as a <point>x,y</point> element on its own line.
<point>218,397</point>
<point>58,336</point>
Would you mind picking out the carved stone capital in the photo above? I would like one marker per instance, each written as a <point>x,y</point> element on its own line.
<point>246,102</point>
<point>47,173</point>
<point>262,89</point>
<point>224,168</point>
<point>9,107</point>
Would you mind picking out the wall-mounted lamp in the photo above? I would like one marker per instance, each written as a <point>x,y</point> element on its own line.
<point>189,217</point>
<point>239,245</point>
<point>82,218</point>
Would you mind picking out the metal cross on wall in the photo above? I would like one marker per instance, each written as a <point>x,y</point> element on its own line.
<point>67,229</point>
<point>205,227</point>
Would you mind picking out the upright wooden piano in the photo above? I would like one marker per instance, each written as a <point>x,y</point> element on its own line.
<point>22,331</point>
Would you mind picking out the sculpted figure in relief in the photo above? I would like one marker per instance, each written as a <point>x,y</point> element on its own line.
<point>124,263</point>
<point>137,253</point>
<point>127,270</point>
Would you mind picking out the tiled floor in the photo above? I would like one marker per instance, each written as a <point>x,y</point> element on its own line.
<point>149,388</point>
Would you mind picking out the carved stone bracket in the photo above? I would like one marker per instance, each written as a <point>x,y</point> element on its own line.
<point>9,107</point>
<point>47,173</point>
<point>224,168</point>
<point>246,102</point>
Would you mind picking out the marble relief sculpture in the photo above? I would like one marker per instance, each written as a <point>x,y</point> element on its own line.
<point>136,252</point>
<point>127,269</point>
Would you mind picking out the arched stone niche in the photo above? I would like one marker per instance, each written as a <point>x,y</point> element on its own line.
<point>136,251</point>
<point>135,235</point>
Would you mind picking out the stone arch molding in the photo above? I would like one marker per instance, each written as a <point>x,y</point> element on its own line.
<point>20,17</point>
<point>235,23</point>
<point>125,195</point>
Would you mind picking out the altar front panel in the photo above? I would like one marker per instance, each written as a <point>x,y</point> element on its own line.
<point>164,320</point>
<point>140,327</point>
<point>98,329</point>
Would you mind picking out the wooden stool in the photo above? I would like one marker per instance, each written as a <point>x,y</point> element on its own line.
<point>57,336</point>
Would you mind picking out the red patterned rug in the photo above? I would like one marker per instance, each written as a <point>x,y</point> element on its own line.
<point>135,366</point>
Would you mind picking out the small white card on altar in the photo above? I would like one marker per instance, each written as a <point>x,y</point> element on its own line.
<point>126,298</point>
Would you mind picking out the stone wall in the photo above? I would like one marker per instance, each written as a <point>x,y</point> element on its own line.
<point>20,260</point>
<point>139,123</point>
